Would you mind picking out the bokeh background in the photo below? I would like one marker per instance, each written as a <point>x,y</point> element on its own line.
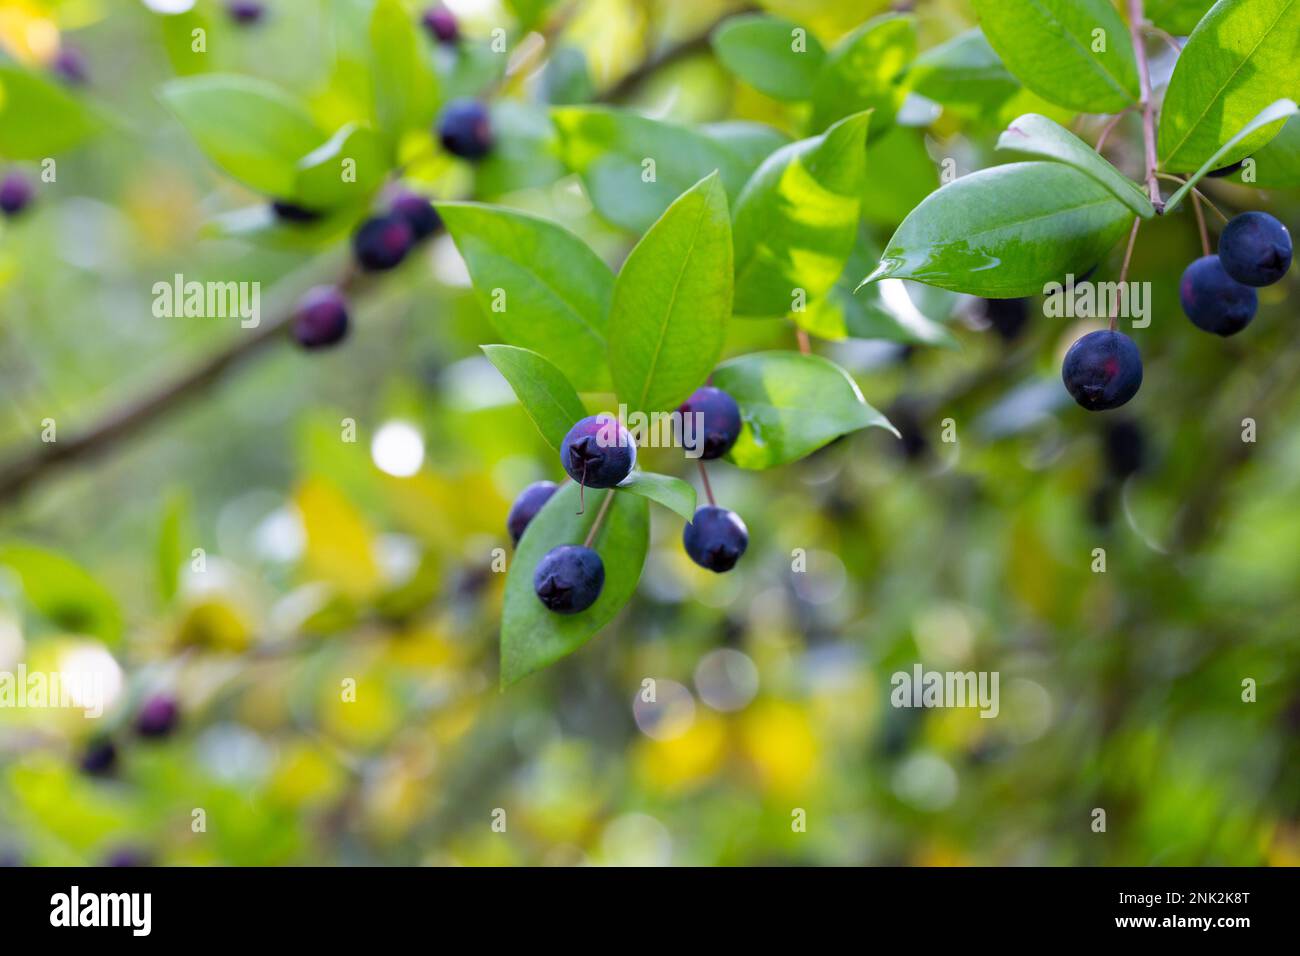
<point>326,560</point>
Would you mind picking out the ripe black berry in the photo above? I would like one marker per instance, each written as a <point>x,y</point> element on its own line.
<point>1214,300</point>
<point>1255,249</point>
<point>382,242</point>
<point>717,427</point>
<point>15,194</point>
<point>245,11</point>
<point>418,213</point>
<point>526,506</point>
<point>465,130</point>
<point>158,717</point>
<point>1102,370</point>
<point>321,318</point>
<point>568,579</point>
<point>441,23</point>
<point>715,538</point>
<point>70,66</point>
<point>99,758</point>
<point>598,452</point>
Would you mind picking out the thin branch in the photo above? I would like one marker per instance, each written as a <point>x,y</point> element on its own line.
<point>1110,128</point>
<point>1123,272</point>
<point>805,345</point>
<point>1135,20</point>
<point>1200,223</point>
<point>1196,191</point>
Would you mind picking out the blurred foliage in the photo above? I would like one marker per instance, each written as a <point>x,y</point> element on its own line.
<point>328,620</point>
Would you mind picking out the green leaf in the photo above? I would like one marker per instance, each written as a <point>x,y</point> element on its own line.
<point>1052,47</point>
<point>899,158</point>
<point>1178,17</point>
<point>38,118</point>
<point>866,71</point>
<point>1242,57</point>
<point>791,405</point>
<point>1277,164</point>
<point>1280,110</point>
<point>750,143</point>
<point>533,637</point>
<point>319,182</point>
<point>668,491</point>
<point>883,310</point>
<point>671,302</point>
<point>403,86</point>
<point>545,393</point>
<point>615,152</point>
<point>1007,231</point>
<point>1037,135</point>
<point>63,592</point>
<point>251,129</point>
<point>557,292</point>
<point>523,151</point>
<point>797,218</point>
<point>964,75</point>
<point>774,55</point>
<point>172,550</point>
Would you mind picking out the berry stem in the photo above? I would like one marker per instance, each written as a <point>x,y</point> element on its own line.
<point>1200,223</point>
<point>805,346</point>
<point>1128,258</point>
<point>600,518</point>
<point>1110,128</point>
<point>1196,192</point>
<point>1136,17</point>
<point>704,476</point>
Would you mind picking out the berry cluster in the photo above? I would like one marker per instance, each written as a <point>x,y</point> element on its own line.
<point>1103,370</point>
<point>598,452</point>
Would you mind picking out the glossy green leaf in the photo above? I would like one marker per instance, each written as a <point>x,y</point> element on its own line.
<point>633,167</point>
<point>884,310</point>
<point>774,55</point>
<point>402,84</point>
<point>251,129</point>
<point>540,285</point>
<point>1075,53</point>
<point>1039,136</point>
<point>671,302</point>
<point>1243,56</point>
<point>63,592</point>
<point>533,637</point>
<point>964,75</point>
<point>349,166</point>
<point>666,490</point>
<point>866,71</point>
<point>1007,231</point>
<point>1178,17</point>
<point>1282,110</point>
<point>791,405</point>
<point>38,117</point>
<point>1275,165</point>
<point>797,219</point>
<point>545,393</point>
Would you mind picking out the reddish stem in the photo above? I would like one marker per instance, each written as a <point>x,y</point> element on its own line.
<point>704,476</point>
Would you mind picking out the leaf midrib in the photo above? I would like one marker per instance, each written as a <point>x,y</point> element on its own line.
<point>1226,83</point>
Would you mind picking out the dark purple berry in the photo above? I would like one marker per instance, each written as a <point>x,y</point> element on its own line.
<point>1008,317</point>
<point>441,23</point>
<point>15,194</point>
<point>526,506</point>
<point>1255,249</point>
<point>245,11</point>
<point>70,66</point>
<point>321,318</point>
<point>418,213</point>
<point>568,579</point>
<point>382,242</point>
<point>158,717</point>
<point>465,129</point>
<point>1102,370</point>
<point>1214,300</point>
<point>715,538</point>
<point>128,856</point>
<point>598,452</point>
<point>716,424</point>
<point>293,213</point>
<point>99,758</point>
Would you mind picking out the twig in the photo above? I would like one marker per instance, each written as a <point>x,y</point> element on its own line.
<point>1135,19</point>
<point>1196,191</point>
<point>1110,127</point>
<point>1166,36</point>
<point>1123,272</point>
<point>1200,223</point>
<point>805,346</point>
<point>600,518</point>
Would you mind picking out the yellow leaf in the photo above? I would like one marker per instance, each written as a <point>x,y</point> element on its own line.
<point>339,542</point>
